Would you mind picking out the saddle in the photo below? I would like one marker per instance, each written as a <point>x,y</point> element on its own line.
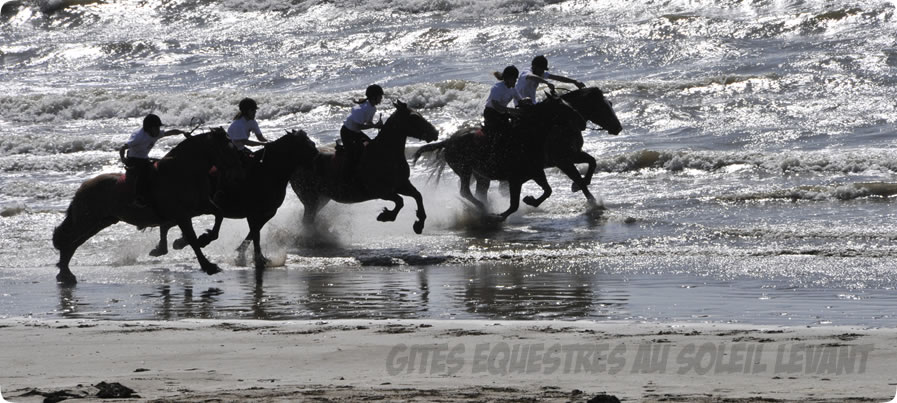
<point>346,160</point>
<point>126,181</point>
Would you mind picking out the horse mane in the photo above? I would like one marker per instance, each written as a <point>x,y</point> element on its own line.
<point>582,94</point>
<point>195,140</point>
<point>390,122</point>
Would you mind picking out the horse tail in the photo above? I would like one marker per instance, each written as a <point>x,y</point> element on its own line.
<point>428,148</point>
<point>88,212</point>
<point>61,233</point>
<point>437,165</point>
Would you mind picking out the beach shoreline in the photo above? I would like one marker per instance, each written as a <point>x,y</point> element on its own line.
<point>446,360</point>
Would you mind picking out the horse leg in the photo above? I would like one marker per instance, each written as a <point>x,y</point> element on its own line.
<point>546,190</point>
<point>241,249</point>
<point>390,215</point>
<point>186,227</point>
<point>584,158</point>
<point>482,188</point>
<point>311,207</point>
<point>255,232</point>
<point>212,234</point>
<point>67,237</point>
<point>408,189</point>
<point>570,170</point>
<point>204,239</point>
<point>465,191</point>
<point>162,247</point>
<point>514,189</point>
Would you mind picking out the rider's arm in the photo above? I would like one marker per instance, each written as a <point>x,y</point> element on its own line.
<point>577,83</point>
<point>121,151</point>
<point>369,123</point>
<point>172,132</point>
<point>534,77</point>
<point>258,134</point>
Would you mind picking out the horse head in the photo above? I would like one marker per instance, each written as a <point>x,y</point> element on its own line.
<point>592,103</point>
<point>304,148</point>
<point>412,123</point>
<point>212,147</point>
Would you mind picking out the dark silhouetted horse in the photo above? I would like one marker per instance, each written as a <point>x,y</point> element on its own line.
<point>567,150</point>
<point>515,157</point>
<point>564,150</point>
<point>180,190</point>
<point>381,173</point>
<point>258,195</point>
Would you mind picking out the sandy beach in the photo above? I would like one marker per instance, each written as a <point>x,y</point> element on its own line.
<point>432,360</point>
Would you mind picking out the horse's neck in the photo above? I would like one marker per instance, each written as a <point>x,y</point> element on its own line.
<point>389,139</point>
<point>272,163</point>
<point>577,99</point>
<point>188,155</point>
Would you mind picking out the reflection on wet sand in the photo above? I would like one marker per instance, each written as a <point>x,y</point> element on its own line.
<point>471,292</point>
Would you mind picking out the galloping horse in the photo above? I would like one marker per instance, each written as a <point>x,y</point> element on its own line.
<point>381,173</point>
<point>258,196</point>
<point>564,150</point>
<point>567,151</point>
<point>180,191</point>
<point>516,157</point>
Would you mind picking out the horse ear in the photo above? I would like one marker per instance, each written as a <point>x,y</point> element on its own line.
<point>399,104</point>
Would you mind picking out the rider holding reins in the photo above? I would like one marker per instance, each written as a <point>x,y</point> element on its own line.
<point>244,124</point>
<point>361,118</point>
<point>496,113</point>
<point>137,163</point>
<point>538,74</point>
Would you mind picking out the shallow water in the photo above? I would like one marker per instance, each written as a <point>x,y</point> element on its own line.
<point>753,180</point>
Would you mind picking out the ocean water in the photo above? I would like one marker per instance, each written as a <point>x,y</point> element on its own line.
<point>752,181</point>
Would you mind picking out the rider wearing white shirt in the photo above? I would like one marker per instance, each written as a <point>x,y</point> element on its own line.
<point>538,74</point>
<point>137,163</point>
<point>245,123</point>
<point>496,113</point>
<point>362,117</point>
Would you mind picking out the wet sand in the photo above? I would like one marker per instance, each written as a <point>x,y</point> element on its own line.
<point>444,360</point>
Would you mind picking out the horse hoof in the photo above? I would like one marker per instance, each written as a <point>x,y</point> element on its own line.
<point>66,279</point>
<point>575,187</point>
<point>211,269</point>
<point>205,239</point>
<point>531,201</point>
<point>386,216</point>
<point>179,244</point>
<point>418,227</point>
<point>261,263</point>
<point>158,252</point>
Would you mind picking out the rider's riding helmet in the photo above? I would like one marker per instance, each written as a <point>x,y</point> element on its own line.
<point>248,104</point>
<point>540,62</point>
<point>373,91</point>
<point>151,120</point>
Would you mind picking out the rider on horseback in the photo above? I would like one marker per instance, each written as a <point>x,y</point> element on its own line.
<point>238,133</point>
<point>496,114</point>
<point>361,117</point>
<point>243,124</point>
<point>138,164</point>
<point>530,79</point>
